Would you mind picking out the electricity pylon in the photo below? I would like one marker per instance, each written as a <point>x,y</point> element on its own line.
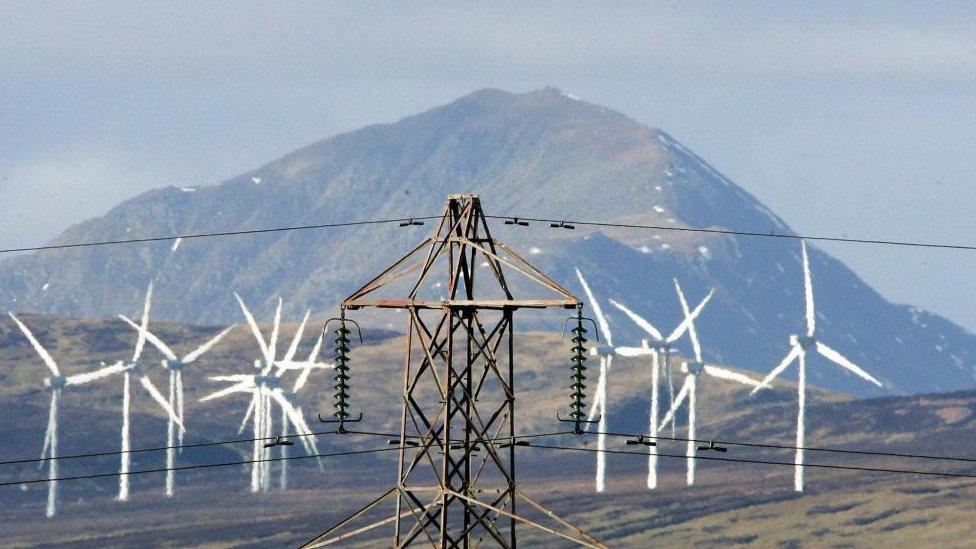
<point>456,478</point>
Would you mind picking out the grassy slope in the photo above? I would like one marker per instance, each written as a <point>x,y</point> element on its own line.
<point>731,504</point>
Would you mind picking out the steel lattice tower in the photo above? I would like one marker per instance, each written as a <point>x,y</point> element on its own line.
<point>456,476</point>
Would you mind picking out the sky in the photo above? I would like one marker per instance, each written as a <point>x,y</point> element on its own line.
<point>846,118</point>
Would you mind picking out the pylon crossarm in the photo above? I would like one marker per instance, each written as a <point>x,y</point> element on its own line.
<point>502,512</point>
<point>550,282</point>
<point>568,299</point>
<point>385,277</point>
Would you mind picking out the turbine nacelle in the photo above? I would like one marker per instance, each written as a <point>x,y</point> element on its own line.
<point>693,368</point>
<point>804,342</point>
<point>271,382</point>
<point>56,382</point>
<point>174,365</point>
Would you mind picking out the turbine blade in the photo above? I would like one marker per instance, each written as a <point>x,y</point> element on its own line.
<point>641,322</point>
<point>808,291</point>
<point>41,351</point>
<point>293,348</point>
<point>692,332</point>
<point>601,390</point>
<point>275,329</point>
<point>680,330</point>
<point>144,324</point>
<point>723,373</point>
<point>193,356</point>
<point>255,395</point>
<point>597,311</point>
<point>633,351</point>
<point>87,377</point>
<point>158,397</point>
<point>255,330</point>
<point>682,394</point>
<point>146,335</point>
<point>302,380</point>
<point>314,355</point>
<point>293,415</point>
<point>793,355</point>
<point>842,361</point>
<point>242,387</point>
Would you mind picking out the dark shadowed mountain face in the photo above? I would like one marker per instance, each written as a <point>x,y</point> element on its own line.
<point>539,154</point>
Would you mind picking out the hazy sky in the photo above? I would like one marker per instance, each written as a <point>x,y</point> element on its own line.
<point>845,119</point>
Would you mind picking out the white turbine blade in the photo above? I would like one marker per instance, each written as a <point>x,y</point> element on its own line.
<point>234,377</point>
<point>299,333</point>
<point>842,361</point>
<point>793,354</point>
<point>597,311</point>
<point>295,365</point>
<point>125,456</point>
<point>808,291</point>
<point>633,351</point>
<point>682,395</point>
<point>314,355</point>
<point>296,417</point>
<point>87,377</point>
<point>241,387</point>
<point>41,351</point>
<point>601,390</point>
<point>275,330</point>
<point>686,323</point>
<point>692,332</point>
<point>160,399</point>
<point>146,335</point>
<point>255,396</point>
<point>52,471</point>
<point>723,373</point>
<point>144,324</point>
<point>638,320</point>
<point>255,330</point>
<point>302,380</point>
<point>194,355</point>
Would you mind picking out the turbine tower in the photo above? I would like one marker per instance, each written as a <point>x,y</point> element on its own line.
<point>175,365</point>
<point>690,387</point>
<point>56,383</point>
<point>800,345</point>
<point>659,349</point>
<point>136,369</point>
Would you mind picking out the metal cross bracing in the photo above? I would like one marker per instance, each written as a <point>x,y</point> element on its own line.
<point>456,475</point>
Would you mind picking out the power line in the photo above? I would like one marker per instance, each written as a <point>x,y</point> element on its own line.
<point>734,232</point>
<point>561,223</point>
<point>210,235</point>
<point>160,448</point>
<point>786,447</point>
<point>202,466</point>
<point>760,461</point>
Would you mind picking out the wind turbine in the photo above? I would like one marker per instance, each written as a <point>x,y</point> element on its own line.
<point>605,352</point>
<point>56,383</point>
<point>134,368</point>
<point>175,365</point>
<point>690,387</point>
<point>800,345</point>
<point>265,387</point>
<point>659,349</point>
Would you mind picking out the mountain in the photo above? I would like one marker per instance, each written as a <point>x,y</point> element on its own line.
<point>537,154</point>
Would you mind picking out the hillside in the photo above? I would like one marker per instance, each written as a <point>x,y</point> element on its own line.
<point>538,154</point>
<point>737,504</point>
